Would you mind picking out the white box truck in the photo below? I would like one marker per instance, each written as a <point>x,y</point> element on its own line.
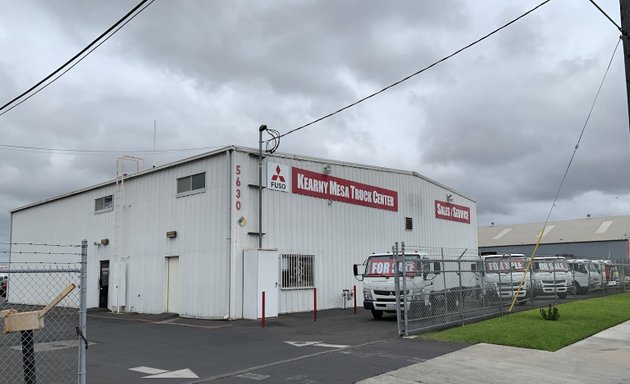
<point>422,281</point>
<point>499,276</point>
<point>550,276</point>
<point>584,275</point>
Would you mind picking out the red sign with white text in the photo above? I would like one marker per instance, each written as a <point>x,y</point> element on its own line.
<point>452,212</point>
<point>333,188</point>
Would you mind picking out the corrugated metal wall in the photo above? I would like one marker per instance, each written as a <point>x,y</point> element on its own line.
<point>341,234</point>
<point>151,208</point>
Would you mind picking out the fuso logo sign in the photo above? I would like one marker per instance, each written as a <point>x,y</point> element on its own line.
<point>278,177</point>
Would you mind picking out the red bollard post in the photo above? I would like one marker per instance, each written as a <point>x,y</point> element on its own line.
<point>354,295</point>
<point>263,309</point>
<point>314,304</point>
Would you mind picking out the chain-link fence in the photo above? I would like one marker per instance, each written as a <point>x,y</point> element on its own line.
<point>42,316</point>
<point>442,287</point>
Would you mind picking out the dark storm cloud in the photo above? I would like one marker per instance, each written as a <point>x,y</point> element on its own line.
<point>498,122</point>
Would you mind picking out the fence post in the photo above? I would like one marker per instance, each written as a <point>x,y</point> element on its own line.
<point>444,272</point>
<point>461,289</point>
<point>83,315</point>
<point>314,304</point>
<point>28,356</point>
<point>354,295</point>
<point>397,289</point>
<point>404,293</point>
<point>263,309</point>
<point>531,284</point>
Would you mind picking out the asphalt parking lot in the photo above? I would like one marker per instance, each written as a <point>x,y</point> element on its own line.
<point>339,347</point>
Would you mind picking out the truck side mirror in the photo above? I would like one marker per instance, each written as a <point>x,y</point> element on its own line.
<point>355,271</point>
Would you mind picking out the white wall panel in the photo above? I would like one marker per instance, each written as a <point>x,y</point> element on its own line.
<point>341,234</point>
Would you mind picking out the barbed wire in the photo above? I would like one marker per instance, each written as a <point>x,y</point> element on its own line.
<point>41,271</point>
<point>42,244</point>
<point>38,253</point>
<point>51,264</point>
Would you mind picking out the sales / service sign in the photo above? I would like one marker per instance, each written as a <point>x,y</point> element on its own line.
<point>333,188</point>
<point>452,212</point>
<point>278,177</point>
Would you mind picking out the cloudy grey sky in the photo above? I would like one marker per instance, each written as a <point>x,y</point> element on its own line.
<point>498,122</point>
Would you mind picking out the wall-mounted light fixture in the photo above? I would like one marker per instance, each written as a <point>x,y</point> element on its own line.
<point>327,169</point>
<point>449,197</point>
<point>104,241</point>
<point>171,234</point>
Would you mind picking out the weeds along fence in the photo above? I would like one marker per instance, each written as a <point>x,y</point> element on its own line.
<point>43,314</point>
<point>437,288</point>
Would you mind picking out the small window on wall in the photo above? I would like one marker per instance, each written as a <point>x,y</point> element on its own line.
<point>408,223</point>
<point>191,183</point>
<point>103,203</point>
<point>297,271</point>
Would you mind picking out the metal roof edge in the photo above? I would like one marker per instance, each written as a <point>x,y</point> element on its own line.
<point>138,174</point>
<point>552,243</point>
<point>241,149</point>
<point>351,164</point>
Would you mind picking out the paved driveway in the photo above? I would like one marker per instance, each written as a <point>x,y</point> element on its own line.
<point>340,347</point>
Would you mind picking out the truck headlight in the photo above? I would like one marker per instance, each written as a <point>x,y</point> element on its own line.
<point>367,294</point>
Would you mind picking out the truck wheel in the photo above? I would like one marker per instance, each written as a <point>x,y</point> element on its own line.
<point>578,290</point>
<point>453,301</point>
<point>562,295</point>
<point>377,315</point>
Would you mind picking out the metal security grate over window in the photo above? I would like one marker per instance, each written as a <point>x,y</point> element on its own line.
<point>297,271</point>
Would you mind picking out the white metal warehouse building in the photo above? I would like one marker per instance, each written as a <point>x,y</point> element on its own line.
<point>599,238</point>
<point>183,237</point>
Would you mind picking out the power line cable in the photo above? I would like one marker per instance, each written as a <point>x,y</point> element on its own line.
<point>27,148</point>
<point>566,172</point>
<point>80,56</point>
<point>415,73</point>
<point>608,17</point>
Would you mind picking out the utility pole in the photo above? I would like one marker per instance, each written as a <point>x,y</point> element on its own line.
<point>625,27</point>
<point>261,129</point>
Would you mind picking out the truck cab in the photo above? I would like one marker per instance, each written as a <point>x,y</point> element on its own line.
<point>550,276</point>
<point>584,275</point>
<point>379,284</point>
<point>499,276</point>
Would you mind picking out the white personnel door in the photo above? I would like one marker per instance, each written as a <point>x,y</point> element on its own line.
<point>260,274</point>
<point>172,284</point>
<point>268,281</point>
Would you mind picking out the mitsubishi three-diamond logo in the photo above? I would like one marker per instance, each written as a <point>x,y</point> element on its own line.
<point>278,177</point>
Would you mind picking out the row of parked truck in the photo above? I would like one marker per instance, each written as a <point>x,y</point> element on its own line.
<point>427,280</point>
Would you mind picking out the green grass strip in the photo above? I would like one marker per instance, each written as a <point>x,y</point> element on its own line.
<point>578,320</point>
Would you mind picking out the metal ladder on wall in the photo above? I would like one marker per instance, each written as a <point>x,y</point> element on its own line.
<point>119,207</point>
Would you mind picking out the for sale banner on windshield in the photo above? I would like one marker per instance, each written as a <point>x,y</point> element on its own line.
<point>385,267</point>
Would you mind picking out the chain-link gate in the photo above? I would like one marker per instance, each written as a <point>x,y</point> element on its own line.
<point>42,317</point>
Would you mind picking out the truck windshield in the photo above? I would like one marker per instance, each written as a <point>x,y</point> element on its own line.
<point>550,266</point>
<point>505,264</point>
<point>384,266</point>
<point>578,268</point>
